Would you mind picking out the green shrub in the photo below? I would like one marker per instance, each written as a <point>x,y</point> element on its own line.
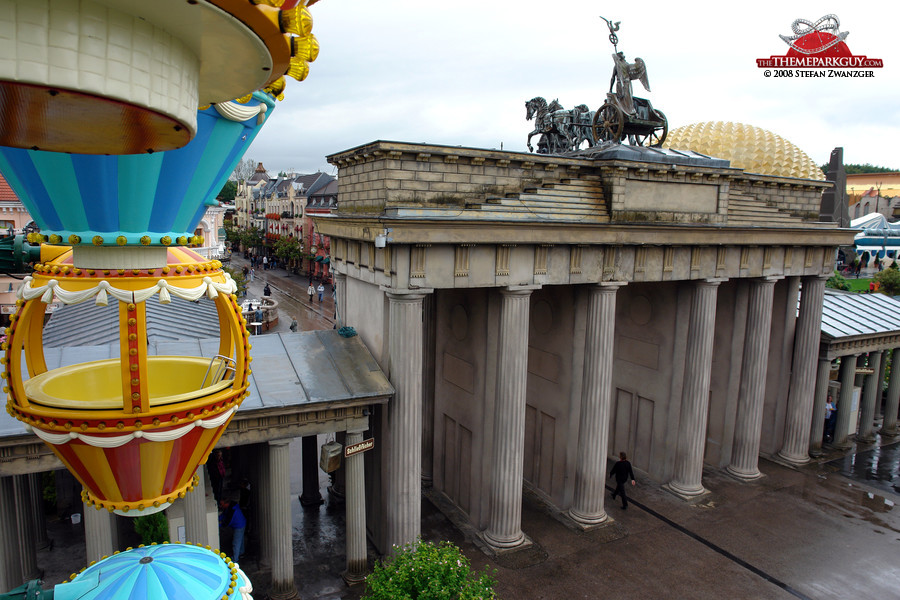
<point>837,282</point>
<point>427,571</point>
<point>152,528</point>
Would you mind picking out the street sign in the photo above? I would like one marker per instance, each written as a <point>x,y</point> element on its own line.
<point>360,447</point>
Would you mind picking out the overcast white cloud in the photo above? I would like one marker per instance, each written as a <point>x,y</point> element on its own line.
<point>459,74</point>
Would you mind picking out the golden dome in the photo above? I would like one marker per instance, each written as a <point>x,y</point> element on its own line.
<point>750,148</point>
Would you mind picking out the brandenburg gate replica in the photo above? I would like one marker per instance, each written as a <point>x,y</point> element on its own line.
<point>537,313</point>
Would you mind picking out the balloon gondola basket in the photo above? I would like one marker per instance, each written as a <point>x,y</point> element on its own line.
<point>133,429</point>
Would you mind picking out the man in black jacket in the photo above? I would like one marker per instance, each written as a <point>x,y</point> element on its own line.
<point>622,471</point>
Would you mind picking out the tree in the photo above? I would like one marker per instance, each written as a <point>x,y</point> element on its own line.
<point>228,191</point>
<point>153,528</point>
<point>853,169</point>
<point>252,237</point>
<point>888,282</point>
<point>239,280</point>
<point>243,170</point>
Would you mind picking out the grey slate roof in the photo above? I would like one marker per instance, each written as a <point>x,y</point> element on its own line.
<point>846,315</point>
<point>288,369</point>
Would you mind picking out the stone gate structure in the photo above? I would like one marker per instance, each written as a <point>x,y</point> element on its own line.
<point>537,313</point>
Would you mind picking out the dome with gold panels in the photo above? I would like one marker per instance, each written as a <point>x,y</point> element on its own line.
<point>750,148</point>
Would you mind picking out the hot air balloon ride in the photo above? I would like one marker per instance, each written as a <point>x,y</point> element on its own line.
<point>117,180</point>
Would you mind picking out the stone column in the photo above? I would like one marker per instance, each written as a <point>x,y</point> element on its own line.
<point>845,402</point>
<point>340,300</point>
<point>39,519</point>
<point>795,447</point>
<point>10,573</point>
<point>428,349</point>
<point>745,450</point>
<point>99,533</point>
<point>279,499</point>
<point>505,519</point>
<point>25,529</point>
<point>817,427</point>
<point>892,404</point>
<point>687,481</point>
<point>870,398</point>
<point>309,461</point>
<point>262,513</point>
<point>355,507</point>
<point>196,530</point>
<point>404,419</point>
<point>596,394</point>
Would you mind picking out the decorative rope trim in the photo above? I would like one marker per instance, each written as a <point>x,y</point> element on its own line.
<point>58,439</point>
<point>46,292</point>
<point>237,112</point>
<point>245,590</point>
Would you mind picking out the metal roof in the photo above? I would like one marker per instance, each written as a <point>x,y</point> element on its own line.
<point>847,315</point>
<point>288,369</point>
<point>88,324</point>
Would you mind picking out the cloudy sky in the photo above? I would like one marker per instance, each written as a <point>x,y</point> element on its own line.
<point>459,73</point>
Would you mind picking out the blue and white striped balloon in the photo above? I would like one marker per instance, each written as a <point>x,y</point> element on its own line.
<point>136,195</point>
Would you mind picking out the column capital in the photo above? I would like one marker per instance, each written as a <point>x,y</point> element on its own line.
<point>767,279</point>
<point>405,294</point>
<point>710,281</point>
<point>281,442</point>
<point>611,286</point>
<point>521,290</point>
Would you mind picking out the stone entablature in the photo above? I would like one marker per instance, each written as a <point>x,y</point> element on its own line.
<point>862,345</point>
<point>477,265</point>
<point>395,178</point>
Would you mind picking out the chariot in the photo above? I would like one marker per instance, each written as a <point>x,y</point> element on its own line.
<point>646,127</point>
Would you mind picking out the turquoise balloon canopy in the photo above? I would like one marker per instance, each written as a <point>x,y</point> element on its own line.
<point>148,199</point>
<point>161,572</point>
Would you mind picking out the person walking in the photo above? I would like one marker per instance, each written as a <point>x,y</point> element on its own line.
<point>233,517</point>
<point>294,324</point>
<point>321,290</point>
<point>265,263</point>
<point>310,290</point>
<point>622,471</point>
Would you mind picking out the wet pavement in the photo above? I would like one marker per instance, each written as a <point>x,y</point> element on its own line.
<point>828,530</point>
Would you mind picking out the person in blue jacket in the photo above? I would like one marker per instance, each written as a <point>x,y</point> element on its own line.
<point>233,517</point>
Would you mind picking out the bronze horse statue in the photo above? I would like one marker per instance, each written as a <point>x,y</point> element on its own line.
<point>560,130</point>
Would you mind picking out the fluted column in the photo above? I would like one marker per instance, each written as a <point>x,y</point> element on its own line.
<point>596,393</point>
<point>428,355</point>
<point>845,402</point>
<point>404,415</point>
<point>505,521</point>
<point>355,507</point>
<point>196,530</point>
<point>687,481</point>
<point>795,447</point>
<point>748,425</point>
<point>262,512</point>
<point>279,498</point>
<point>870,397</point>
<point>99,534</point>
<point>817,427</point>
<point>892,403</point>
<point>10,574</point>
<point>309,462</point>
<point>39,519</point>
<point>25,530</point>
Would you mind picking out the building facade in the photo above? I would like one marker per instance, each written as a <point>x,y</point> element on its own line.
<point>538,313</point>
